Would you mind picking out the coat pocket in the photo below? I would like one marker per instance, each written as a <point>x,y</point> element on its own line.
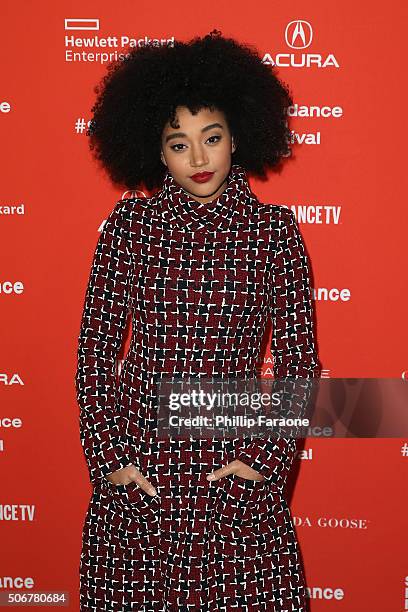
<point>240,523</point>
<point>137,512</point>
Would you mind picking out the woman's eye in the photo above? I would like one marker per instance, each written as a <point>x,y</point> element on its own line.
<point>217,136</point>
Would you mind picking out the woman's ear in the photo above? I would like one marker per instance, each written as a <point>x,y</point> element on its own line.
<point>233,146</point>
<point>162,157</point>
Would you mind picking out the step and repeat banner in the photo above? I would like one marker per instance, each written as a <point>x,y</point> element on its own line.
<point>346,184</point>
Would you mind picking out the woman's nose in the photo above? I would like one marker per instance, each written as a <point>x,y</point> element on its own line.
<point>198,156</point>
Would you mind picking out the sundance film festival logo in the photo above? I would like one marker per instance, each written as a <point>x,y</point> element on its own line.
<point>299,36</point>
<point>325,593</point>
<point>8,287</point>
<point>17,512</point>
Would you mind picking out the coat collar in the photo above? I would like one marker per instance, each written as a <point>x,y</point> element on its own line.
<point>179,208</point>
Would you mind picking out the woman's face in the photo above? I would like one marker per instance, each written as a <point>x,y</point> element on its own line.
<point>200,143</point>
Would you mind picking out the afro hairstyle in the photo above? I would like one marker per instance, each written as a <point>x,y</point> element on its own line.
<point>139,94</point>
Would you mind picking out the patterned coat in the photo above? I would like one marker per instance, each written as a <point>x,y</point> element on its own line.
<point>200,282</point>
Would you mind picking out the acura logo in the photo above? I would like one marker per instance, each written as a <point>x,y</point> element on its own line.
<point>298,34</point>
<point>133,193</point>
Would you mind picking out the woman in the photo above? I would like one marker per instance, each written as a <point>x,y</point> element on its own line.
<point>200,266</point>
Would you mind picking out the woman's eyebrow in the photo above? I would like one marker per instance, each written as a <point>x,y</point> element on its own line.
<point>182,135</point>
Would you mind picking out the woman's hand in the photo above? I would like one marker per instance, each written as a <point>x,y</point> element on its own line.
<point>128,474</point>
<point>237,467</point>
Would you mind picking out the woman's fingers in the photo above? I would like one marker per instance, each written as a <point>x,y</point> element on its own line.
<point>236,467</point>
<point>122,476</point>
<point>230,468</point>
<point>248,472</point>
<point>129,474</point>
<point>144,484</point>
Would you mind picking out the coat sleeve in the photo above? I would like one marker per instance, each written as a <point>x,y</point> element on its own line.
<point>102,328</point>
<point>293,344</point>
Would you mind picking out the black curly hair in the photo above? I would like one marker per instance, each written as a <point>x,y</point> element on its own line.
<point>140,94</point>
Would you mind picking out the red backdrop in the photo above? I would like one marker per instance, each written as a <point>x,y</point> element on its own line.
<point>346,184</point>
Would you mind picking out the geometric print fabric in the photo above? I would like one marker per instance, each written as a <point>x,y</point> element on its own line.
<point>200,282</point>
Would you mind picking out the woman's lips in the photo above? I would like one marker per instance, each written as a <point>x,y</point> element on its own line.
<point>202,177</point>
